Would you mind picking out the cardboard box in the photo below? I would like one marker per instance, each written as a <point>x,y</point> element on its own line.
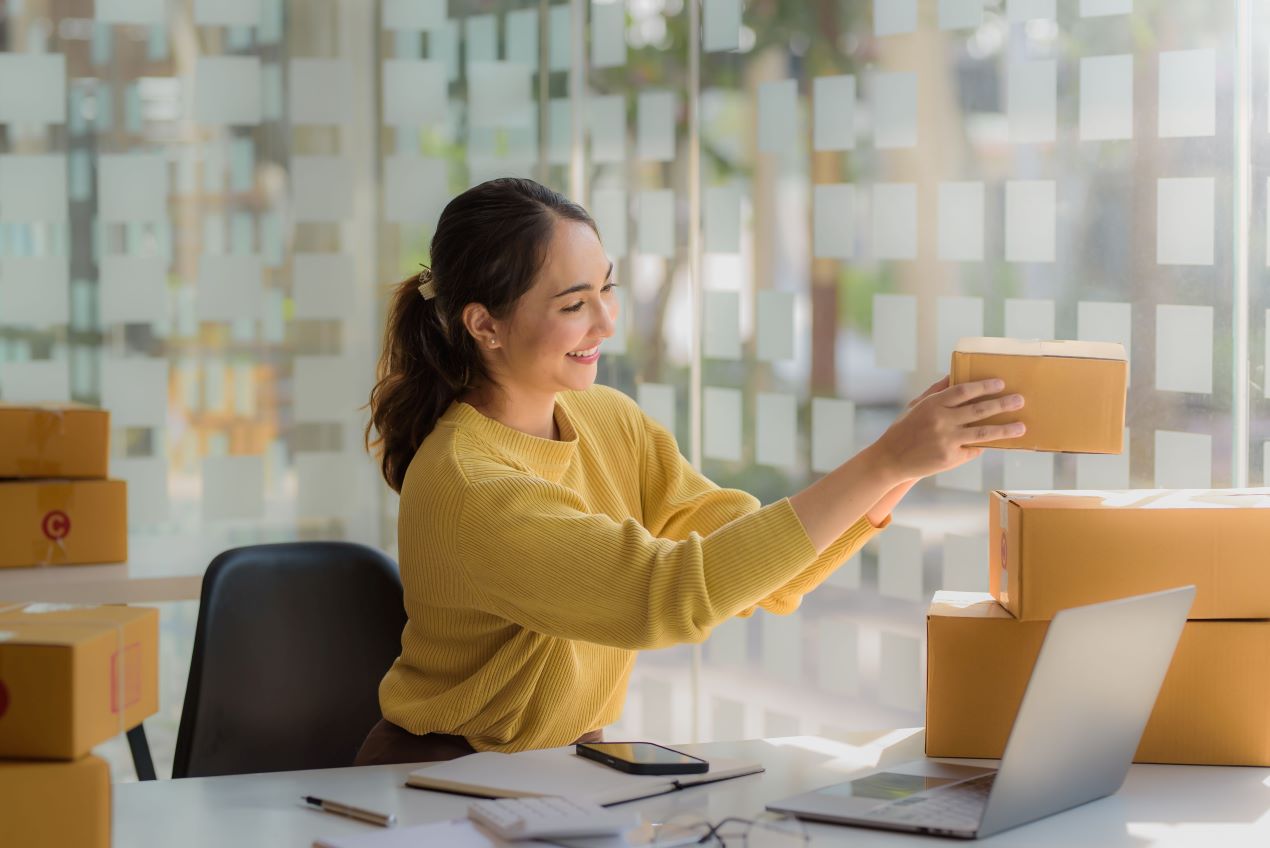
<point>63,522</point>
<point>1213,709</point>
<point>73,677</point>
<point>1053,550</point>
<point>53,441</point>
<point>55,805</point>
<point>1073,392</point>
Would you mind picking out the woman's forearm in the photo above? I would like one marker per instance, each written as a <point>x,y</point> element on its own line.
<point>884,507</point>
<point>833,503</point>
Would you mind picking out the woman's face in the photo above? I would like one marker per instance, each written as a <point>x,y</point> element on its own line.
<point>551,342</point>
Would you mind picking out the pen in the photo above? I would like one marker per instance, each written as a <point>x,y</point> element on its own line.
<point>381,819</point>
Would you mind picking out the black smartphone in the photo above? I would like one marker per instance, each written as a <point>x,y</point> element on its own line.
<point>642,758</point>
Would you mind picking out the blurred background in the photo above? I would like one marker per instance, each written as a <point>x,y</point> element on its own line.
<point>204,204</point>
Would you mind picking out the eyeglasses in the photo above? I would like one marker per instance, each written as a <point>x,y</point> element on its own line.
<point>768,832</point>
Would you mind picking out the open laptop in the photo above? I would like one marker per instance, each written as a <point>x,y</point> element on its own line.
<point>1082,716</point>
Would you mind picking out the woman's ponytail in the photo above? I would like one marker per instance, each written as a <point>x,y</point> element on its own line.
<point>489,244</point>
<point>422,370</point>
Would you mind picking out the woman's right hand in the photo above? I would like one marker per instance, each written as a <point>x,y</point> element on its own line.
<point>935,433</point>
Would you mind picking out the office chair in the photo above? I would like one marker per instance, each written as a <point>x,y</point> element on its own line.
<point>291,642</point>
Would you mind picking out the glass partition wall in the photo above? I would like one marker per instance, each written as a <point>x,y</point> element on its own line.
<point>203,207</point>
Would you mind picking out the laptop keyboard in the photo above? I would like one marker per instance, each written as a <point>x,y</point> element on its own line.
<point>959,807</point>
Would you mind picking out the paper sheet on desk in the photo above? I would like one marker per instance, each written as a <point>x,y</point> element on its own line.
<point>455,833</point>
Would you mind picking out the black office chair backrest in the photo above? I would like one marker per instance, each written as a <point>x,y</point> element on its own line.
<point>291,643</point>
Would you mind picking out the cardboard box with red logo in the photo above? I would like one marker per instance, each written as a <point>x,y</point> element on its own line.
<point>55,805</point>
<point>73,677</point>
<point>63,522</point>
<point>47,441</point>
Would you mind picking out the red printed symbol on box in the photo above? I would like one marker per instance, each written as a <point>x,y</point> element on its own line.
<point>131,677</point>
<point>56,525</point>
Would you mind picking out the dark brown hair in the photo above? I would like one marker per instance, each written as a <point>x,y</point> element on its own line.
<point>489,244</point>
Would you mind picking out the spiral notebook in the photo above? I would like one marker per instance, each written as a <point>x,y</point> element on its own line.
<point>559,771</point>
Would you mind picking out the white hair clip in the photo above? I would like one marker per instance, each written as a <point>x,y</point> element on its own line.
<point>426,286</point>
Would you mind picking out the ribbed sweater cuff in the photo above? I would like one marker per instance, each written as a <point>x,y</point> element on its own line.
<point>755,555</point>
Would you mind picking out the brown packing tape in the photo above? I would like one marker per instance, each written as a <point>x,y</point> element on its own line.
<point>45,424</point>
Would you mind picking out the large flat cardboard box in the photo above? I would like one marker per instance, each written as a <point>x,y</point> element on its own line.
<point>1051,550</point>
<point>73,677</point>
<point>53,441</point>
<point>55,805</point>
<point>1073,392</point>
<point>63,522</point>
<point>1213,709</point>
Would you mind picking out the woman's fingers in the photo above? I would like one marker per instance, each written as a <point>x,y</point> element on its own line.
<point>992,432</point>
<point>979,410</point>
<point>963,393</point>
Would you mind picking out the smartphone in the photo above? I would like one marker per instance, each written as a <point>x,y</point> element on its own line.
<point>642,758</point>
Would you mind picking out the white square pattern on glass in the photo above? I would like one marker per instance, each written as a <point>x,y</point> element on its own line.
<point>1184,348</point>
<point>833,112</point>
<point>895,331</point>
<point>893,17</point>
<point>778,129</point>
<point>1188,93</point>
<point>32,88</point>
<point>895,221</point>
<point>775,335</point>
<point>1106,97</point>
<point>832,433</point>
<point>1033,96</point>
<point>894,109</point>
<point>1184,221</point>
<point>35,291</point>
<point>1183,460</point>
<point>833,217</point>
<point>1030,221</point>
<point>722,325</point>
<point>961,221</point>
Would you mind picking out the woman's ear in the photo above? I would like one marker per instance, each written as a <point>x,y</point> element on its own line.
<point>481,325</point>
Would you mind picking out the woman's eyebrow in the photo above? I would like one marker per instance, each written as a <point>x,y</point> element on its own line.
<point>577,287</point>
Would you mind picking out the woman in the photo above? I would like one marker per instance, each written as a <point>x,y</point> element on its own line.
<point>548,528</point>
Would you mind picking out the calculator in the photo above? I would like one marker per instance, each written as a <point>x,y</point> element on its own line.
<point>548,817</point>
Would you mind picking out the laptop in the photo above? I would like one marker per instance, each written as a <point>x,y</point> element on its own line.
<point>1082,716</point>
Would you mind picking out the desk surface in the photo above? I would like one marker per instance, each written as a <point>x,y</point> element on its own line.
<point>1158,806</point>
<point>120,583</point>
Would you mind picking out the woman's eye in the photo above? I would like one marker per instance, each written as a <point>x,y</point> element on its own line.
<point>609,287</point>
<point>573,308</point>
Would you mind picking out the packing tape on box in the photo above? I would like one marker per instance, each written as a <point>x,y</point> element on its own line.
<point>119,685</point>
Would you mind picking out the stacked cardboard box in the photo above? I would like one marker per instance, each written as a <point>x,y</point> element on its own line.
<point>1053,550</point>
<point>56,505</point>
<point>70,678</point>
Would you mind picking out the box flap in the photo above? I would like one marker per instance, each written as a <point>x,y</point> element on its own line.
<point>948,604</point>
<point>1038,347</point>
<point>1257,498</point>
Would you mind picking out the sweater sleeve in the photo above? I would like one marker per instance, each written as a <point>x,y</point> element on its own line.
<point>678,499</point>
<point>536,556</point>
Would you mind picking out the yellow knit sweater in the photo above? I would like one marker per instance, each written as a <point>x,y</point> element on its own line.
<point>535,569</point>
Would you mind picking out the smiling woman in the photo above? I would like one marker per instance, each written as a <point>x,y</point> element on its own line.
<point>549,529</point>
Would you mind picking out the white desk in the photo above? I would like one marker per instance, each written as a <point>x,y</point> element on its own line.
<point>120,583</point>
<point>1158,806</point>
